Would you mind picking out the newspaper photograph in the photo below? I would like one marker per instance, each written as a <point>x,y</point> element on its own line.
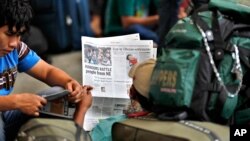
<point>105,66</point>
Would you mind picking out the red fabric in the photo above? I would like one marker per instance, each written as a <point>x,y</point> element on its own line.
<point>185,3</point>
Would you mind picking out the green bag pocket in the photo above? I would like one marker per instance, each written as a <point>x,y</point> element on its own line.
<point>173,78</point>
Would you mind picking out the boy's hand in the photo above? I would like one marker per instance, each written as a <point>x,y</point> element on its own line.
<point>29,104</point>
<point>87,98</point>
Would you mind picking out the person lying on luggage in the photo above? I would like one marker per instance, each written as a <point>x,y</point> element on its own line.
<point>139,91</point>
<point>16,56</point>
<point>140,106</point>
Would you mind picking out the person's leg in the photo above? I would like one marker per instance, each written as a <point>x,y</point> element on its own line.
<point>145,32</point>
<point>2,136</point>
<point>13,120</point>
<point>198,3</point>
<point>168,12</point>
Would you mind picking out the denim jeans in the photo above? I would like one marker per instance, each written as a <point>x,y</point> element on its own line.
<point>168,12</point>
<point>146,33</point>
<point>198,3</point>
<point>10,122</point>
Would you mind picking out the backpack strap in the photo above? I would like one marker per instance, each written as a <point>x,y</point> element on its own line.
<point>214,36</point>
<point>198,20</point>
<point>218,40</point>
<point>224,95</point>
<point>78,132</point>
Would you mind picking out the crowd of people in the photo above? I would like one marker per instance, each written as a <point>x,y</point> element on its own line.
<point>118,17</point>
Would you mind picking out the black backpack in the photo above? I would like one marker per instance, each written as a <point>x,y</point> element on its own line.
<point>203,71</point>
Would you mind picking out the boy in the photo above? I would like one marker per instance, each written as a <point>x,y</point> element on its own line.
<point>15,109</point>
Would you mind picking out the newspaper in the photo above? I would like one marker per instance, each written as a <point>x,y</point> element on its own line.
<point>58,106</point>
<point>102,108</point>
<point>106,63</point>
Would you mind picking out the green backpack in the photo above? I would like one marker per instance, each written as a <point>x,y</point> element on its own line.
<point>203,71</point>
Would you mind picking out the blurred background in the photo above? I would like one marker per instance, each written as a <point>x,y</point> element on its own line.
<point>57,27</point>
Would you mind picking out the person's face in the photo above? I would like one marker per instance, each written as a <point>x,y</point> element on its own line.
<point>100,56</point>
<point>132,59</point>
<point>108,53</point>
<point>9,40</point>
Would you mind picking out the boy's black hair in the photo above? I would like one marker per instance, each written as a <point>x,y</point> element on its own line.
<point>144,102</point>
<point>15,13</point>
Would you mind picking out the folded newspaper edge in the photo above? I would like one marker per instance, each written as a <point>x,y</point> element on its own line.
<point>53,93</point>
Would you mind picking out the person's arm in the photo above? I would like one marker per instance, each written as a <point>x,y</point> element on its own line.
<point>49,74</point>
<point>56,77</point>
<point>147,21</point>
<point>26,102</point>
<point>96,25</point>
<point>83,106</point>
<point>127,10</point>
<point>7,103</point>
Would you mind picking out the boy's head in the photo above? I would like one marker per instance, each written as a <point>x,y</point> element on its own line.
<point>16,14</point>
<point>141,74</point>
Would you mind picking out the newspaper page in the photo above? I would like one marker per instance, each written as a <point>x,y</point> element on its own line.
<point>106,64</point>
<point>135,36</point>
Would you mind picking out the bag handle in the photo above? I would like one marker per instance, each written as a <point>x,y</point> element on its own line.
<point>80,132</point>
<point>201,129</point>
<point>175,116</point>
<point>219,41</point>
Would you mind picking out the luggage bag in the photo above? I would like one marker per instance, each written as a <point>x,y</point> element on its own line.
<point>63,22</point>
<point>45,129</point>
<point>148,130</point>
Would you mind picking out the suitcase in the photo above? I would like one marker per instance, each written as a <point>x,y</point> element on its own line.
<point>148,130</point>
<point>63,22</point>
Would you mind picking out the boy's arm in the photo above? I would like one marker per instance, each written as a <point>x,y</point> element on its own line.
<point>147,21</point>
<point>56,77</point>
<point>83,106</point>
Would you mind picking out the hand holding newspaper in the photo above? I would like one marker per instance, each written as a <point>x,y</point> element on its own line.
<point>106,63</point>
